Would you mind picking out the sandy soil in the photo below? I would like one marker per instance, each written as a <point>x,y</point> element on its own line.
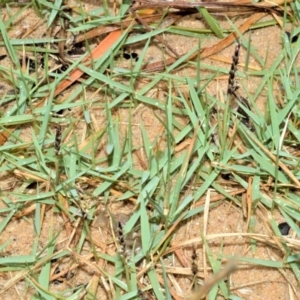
<point>250,282</point>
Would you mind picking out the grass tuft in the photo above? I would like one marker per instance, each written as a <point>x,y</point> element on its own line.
<point>141,179</point>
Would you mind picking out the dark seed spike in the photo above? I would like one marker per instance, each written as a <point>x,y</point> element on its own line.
<point>194,263</point>
<point>194,255</point>
<point>57,142</point>
<point>245,102</point>
<point>120,233</point>
<point>194,268</point>
<point>232,87</point>
<point>245,119</point>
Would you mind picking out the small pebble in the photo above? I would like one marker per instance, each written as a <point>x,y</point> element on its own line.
<point>284,228</point>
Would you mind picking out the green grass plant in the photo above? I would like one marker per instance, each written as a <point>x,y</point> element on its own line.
<point>166,188</point>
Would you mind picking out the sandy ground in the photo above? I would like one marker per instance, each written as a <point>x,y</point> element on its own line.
<point>250,282</point>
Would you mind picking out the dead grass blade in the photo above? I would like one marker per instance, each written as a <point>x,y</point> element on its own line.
<point>102,48</point>
<point>231,37</point>
<point>148,16</point>
<point>158,66</point>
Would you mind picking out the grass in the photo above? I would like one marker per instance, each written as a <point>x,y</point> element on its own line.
<point>167,178</point>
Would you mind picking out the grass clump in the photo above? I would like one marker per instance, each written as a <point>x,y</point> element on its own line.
<point>88,137</point>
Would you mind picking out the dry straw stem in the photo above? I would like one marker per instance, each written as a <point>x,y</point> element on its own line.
<point>249,200</point>
<point>96,53</point>
<point>263,238</point>
<point>91,261</point>
<point>213,7</point>
<point>205,222</point>
<point>227,270</point>
<point>179,271</point>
